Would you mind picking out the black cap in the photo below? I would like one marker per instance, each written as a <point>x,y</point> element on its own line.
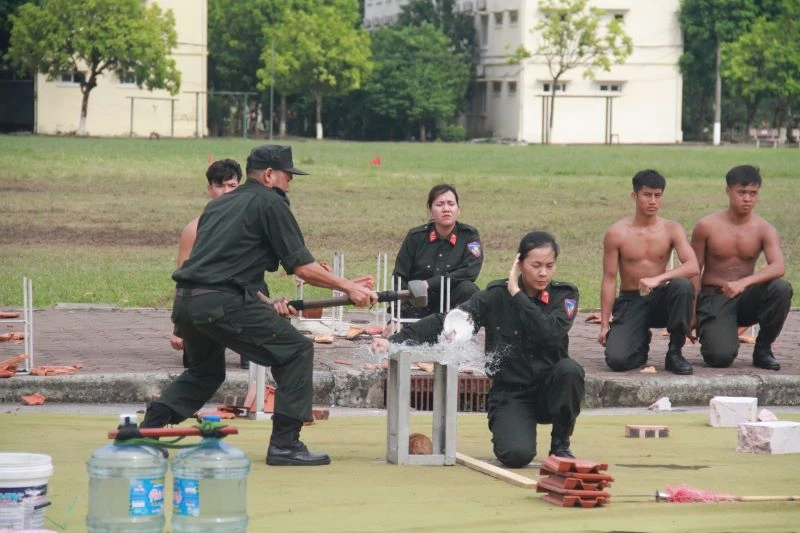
<point>272,156</point>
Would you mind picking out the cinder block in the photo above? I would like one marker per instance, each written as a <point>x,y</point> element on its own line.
<point>730,411</point>
<point>769,438</point>
<point>641,431</point>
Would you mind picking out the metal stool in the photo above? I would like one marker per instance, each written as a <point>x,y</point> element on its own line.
<point>398,392</point>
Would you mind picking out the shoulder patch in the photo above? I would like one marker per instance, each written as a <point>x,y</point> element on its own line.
<point>570,307</point>
<point>564,285</point>
<point>419,229</point>
<point>474,248</point>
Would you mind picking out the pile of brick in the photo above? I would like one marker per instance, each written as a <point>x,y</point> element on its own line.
<point>574,482</point>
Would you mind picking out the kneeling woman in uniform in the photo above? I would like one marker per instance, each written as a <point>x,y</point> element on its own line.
<point>442,247</point>
<point>527,319</point>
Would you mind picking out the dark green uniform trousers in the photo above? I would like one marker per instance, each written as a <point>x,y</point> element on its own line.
<point>515,411</point>
<point>718,318</point>
<point>628,340</point>
<point>460,292</point>
<point>210,321</point>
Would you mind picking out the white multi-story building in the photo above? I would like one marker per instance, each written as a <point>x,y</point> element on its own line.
<point>637,102</point>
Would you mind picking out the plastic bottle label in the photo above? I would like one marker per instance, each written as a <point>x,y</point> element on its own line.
<point>186,497</point>
<point>147,497</point>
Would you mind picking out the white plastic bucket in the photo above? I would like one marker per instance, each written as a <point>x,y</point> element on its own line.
<point>23,489</point>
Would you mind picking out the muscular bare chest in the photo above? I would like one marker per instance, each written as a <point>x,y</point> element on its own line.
<point>744,245</point>
<point>638,246</point>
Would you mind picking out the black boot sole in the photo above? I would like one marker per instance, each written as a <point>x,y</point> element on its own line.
<point>290,461</point>
<point>767,365</point>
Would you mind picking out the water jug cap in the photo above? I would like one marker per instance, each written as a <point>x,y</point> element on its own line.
<point>127,420</point>
<point>211,418</point>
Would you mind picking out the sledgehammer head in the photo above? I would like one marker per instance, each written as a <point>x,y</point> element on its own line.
<point>418,293</point>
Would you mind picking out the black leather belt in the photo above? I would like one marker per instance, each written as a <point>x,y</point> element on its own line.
<point>710,289</point>
<point>194,292</point>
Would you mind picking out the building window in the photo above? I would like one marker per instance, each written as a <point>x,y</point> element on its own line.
<point>560,87</point>
<point>497,88</point>
<point>484,36</point>
<point>513,17</point>
<point>128,78</point>
<point>619,16</point>
<point>73,78</point>
<point>479,100</point>
<point>512,88</point>
<point>611,87</point>
<point>498,19</point>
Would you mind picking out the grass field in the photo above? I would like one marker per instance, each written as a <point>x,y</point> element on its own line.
<point>97,220</point>
<point>359,492</point>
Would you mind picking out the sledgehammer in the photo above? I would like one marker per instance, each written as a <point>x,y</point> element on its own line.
<point>417,294</point>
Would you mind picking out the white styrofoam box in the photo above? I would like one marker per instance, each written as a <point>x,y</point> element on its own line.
<point>780,436</point>
<point>730,411</point>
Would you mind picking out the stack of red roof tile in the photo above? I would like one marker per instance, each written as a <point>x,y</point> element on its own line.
<point>574,482</point>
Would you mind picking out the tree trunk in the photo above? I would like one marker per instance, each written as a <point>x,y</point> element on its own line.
<point>318,98</point>
<point>549,138</point>
<point>422,132</point>
<point>84,111</point>
<point>718,100</point>
<point>282,127</point>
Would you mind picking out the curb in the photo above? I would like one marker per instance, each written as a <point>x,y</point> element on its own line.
<point>352,388</point>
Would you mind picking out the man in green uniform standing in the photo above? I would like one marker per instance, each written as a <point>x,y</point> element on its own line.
<point>240,236</point>
<point>527,319</point>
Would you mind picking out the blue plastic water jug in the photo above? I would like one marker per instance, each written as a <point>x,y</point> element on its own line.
<point>210,488</point>
<point>126,487</point>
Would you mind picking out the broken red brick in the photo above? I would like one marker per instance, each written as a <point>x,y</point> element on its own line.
<point>33,399</point>
<point>343,362</point>
<point>320,413</point>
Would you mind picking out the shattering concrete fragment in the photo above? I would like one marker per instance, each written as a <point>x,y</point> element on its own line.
<point>730,411</point>
<point>769,437</point>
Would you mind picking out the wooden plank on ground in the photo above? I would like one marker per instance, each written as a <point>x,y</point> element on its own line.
<point>495,471</point>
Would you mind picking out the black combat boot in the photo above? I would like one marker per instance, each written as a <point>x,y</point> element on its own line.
<point>159,415</point>
<point>763,357</point>
<point>559,441</point>
<point>285,447</point>
<point>674,361</point>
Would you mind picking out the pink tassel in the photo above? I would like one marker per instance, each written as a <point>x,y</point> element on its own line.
<point>686,494</point>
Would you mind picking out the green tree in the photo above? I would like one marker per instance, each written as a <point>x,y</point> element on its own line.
<point>7,8</point>
<point>321,48</point>
<point>706,25</point>
<point>236,41</point>
<point>572,35</point>
<point>95,37</point>
<point>417,76</point>
<point>765,63</point>
<point>458,26</point>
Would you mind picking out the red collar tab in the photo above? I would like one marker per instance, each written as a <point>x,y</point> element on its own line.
<point>544,296</point>
<point>453,238</point>
<point>432,236</point>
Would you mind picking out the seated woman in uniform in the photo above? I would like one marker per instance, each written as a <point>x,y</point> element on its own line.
<point>442,247</point>
<point>527,319</point>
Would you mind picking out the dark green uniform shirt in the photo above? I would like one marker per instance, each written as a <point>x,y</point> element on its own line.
<point>241,235</point>
<point>425,257</point>
<point>525,336</point>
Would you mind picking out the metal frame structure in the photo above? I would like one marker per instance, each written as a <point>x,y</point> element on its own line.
<point>445,406</point>
<point>27,322</point>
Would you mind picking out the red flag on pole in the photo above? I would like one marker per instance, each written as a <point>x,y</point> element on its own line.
<point>377,161</point>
